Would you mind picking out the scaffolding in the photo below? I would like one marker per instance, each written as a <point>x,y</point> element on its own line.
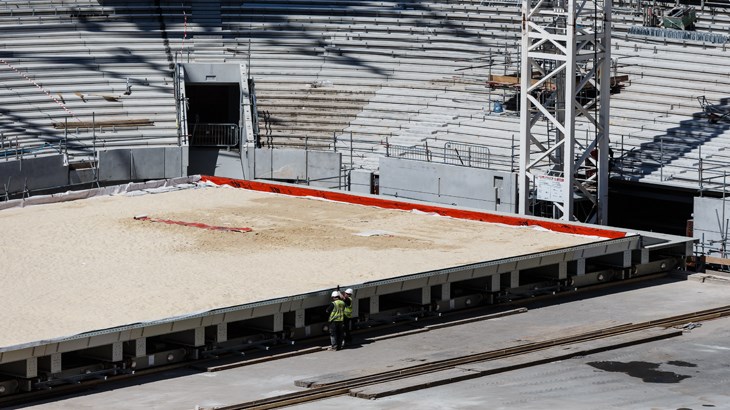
<point>565,43</point>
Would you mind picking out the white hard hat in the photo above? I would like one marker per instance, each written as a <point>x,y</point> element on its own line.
<point>349,291</point>
<point>335,294</point>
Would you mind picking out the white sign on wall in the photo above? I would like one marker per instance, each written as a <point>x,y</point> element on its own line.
<point>550,188</point>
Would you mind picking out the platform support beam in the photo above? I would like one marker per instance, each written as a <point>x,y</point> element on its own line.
<point>446,291</point>
<point>627,259</point>
<point>425,295</point>
<point>140,347</point>
<point>563,270</point>
<point>496,283</point>
<point>514,279</point>
<point>581,268</point>
<point>278,325</point>
<point>299,321</point>
<point>221,332</point>
<point>374,304</point>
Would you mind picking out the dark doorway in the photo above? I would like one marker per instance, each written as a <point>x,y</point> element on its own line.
<point>212,103</point>
<point>213,115</point>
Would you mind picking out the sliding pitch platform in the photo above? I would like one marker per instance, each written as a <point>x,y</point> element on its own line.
<point>116,283</point>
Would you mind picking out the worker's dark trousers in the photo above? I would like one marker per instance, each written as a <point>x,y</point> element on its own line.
<point>347,330</point>
<point>336,334</point>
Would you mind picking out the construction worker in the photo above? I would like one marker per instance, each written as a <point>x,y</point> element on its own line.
<point>347,298</point>
<point>336,310</point>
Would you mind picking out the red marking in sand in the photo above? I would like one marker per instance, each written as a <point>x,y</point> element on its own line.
<point>514,220</point>
<point>193,224</point>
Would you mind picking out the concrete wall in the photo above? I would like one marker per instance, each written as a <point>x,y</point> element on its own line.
<point>448,184</point>
<point>708,224</point>
<point>361,181</point>
<point>215,162</point>
<point>142,163</point>
<point>321,168</point>
<point>33,174</point>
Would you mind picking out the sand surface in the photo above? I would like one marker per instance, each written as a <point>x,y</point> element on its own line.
<point>85,265</point>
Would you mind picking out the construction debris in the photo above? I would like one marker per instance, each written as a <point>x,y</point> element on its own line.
<point>142,122</point>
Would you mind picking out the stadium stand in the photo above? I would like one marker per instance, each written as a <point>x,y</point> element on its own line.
<point>359,77</point>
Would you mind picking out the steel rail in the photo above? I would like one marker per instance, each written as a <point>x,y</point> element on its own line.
<point>321,391</point>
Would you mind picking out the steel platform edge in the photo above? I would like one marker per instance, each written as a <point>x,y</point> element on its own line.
<point>615,255</point>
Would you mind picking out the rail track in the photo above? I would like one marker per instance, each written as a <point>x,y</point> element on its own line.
<point>322,391</point>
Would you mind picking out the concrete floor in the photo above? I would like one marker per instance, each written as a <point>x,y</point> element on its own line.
<point>687,372</point>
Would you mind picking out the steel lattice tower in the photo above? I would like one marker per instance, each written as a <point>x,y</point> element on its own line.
<point>565,83</point>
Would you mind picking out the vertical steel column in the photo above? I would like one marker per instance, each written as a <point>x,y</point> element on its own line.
<point>525,114</point>
<point>604,116</point>
<point>565,80</point>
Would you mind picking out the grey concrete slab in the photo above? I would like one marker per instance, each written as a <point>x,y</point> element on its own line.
<point>413,383</point>
<point>578,383</point>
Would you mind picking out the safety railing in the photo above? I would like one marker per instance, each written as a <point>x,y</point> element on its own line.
<point>456,153</point>
<point>470,155</point>
<point>215,135</point>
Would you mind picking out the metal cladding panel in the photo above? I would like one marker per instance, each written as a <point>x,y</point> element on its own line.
<point>323,168</point>
<point>266,310</point>
<point>81,176</point>
<point>212,320</point>
<point>485,271</point>
<point>33,174</point>
<point>710,216</point>
<point>174,162</point>
<point>157,329</point>
<point>148,163</point>
<point>186,324</point>
<point>212,73</point>
<point>140,164</point>
<point>386,288</point>
<point>236,315</point>
<point>437,280</point>
<point>460,275</point>
<point>104,338</point>
<point>280,164</point>
<point>115,165</point>
<point>229,163</point>
<point>361,181</point>
<point>16,355</point>
<point>74,344</point>
<point>448,184</point>
<point>313,302</point>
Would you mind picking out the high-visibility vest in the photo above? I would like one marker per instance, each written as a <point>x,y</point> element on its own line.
<point>348,309</point>
<point>338,313</point>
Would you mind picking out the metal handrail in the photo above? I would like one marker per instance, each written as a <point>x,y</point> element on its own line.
<point>471,155</point>
<point>215,135</point>
<point>456,153</point>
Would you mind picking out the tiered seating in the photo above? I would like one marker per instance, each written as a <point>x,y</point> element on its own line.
<point>658,127</point>
<point>345,75</point>
<point>86,64</point>
<point>369,72</point>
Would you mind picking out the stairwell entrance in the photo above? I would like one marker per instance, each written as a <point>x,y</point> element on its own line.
<point>215,117</point>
